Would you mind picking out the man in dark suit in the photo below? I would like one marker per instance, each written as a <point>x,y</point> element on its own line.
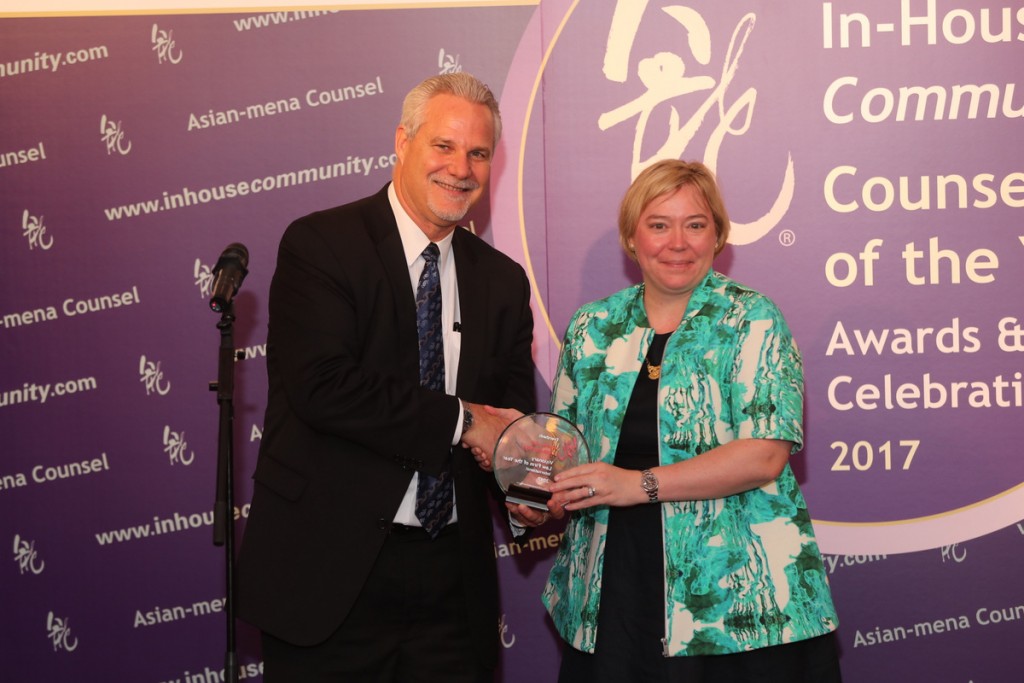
<point>339,568</point>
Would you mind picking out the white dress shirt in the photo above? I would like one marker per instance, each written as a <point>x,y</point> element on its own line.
<point>413,243</point>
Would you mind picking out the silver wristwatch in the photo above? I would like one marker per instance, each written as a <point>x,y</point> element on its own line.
<point>649,483</point>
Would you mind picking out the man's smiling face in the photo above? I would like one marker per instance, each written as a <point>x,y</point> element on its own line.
<point>443,170</point>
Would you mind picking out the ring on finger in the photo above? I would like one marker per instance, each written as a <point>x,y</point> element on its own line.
<point>591,492</point>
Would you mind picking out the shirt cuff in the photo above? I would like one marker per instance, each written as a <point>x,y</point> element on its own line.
<point>458,426</point>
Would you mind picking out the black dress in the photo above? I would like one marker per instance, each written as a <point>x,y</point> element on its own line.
<point>631,620</point>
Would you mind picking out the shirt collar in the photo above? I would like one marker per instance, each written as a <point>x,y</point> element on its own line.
<point>413,239</point>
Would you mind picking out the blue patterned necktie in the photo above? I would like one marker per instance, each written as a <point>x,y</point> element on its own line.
<point>434,500</point>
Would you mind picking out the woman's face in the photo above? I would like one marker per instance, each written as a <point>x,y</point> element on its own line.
<point>675,242</point>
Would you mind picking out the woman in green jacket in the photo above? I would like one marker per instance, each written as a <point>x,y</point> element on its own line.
<point>689,553</point>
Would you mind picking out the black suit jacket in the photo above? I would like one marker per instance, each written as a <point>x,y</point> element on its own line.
<point>347,422</point>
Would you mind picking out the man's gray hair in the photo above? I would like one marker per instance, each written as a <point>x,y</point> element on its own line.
<point>458,84</point>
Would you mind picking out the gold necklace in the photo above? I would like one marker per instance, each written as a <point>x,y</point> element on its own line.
<point>653,371</point>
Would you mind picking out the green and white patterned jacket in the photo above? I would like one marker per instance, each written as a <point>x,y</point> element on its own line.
<point>741,572</point>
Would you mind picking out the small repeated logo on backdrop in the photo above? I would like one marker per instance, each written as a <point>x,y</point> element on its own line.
<point>176,447</point>
<point>60,634</point>
<point>203,278</point>
<point>26,556</point>
<point>164,47</point>
<point>503,633</point>
<point>664,76</point>
<point>449,64</point>
<point>152,377</point>
<point>113,136</point>
<point>953,553</point>
<point>34,231</point>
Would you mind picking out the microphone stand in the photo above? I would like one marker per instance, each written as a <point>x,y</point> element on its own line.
<point>223,508</point>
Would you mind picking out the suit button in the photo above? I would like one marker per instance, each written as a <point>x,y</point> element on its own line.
<point>383,523</point>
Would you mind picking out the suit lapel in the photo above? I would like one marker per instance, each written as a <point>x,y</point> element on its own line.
<point>384,231</point>
<point>473,294</point>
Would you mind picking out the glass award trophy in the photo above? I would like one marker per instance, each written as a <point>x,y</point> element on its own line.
<point>531,451</point>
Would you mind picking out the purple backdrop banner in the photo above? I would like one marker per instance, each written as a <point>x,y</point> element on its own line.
<point>870,156</point>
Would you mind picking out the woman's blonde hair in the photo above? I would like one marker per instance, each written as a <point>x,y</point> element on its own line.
<point>666,177</point>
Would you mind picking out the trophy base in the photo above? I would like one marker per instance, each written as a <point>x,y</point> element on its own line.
<point>529,496</point>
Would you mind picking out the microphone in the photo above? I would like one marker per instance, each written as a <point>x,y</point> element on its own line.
<point>231,269</point>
